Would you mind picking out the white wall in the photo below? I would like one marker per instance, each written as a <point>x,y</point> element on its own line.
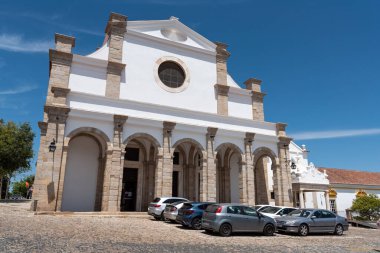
<point>79,190</point>
<point>239,105</point>
<point>88,78</point>
<point>140,56</point>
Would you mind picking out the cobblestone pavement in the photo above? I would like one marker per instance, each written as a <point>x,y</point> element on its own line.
<point>22,231</point>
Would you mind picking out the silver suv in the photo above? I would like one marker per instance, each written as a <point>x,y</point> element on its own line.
<point>229,218</point>
<point>157,206</point>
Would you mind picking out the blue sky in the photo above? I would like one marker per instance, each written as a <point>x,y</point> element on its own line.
<point>319,61</point>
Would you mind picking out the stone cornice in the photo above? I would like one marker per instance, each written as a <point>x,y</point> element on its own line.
<point>168,127</point>
<point>115,67</point>
<point>284,141</point>
<point>60,91</point>
<point>222,89</point>
<point>57,114</point>
<point>116,24</point>
<point>65,39</point>
<point>119,121</point>
<point>211,132</point>
<point>221,52</point>
<point>60,57</point>
<point>251,82</point>
<point>43,127</point>
<point>249,137</point>
<point>281,128</point>
<point>258,96</point>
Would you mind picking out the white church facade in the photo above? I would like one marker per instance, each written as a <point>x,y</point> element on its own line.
<point>154,112</point>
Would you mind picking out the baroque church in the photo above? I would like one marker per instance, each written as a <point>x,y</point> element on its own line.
<point>154,112</point>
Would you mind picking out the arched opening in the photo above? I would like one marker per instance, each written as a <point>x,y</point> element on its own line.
<point>228,171</point>
<point>264,174</point>
<point>139,169</point>
<point>83,178</point>
<point>187,167</point>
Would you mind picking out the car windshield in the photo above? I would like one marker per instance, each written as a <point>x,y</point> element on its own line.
<point>271,209</point>
<point>156,200</point>
<point>212,208</point>
<point>300,213</point>
<point>187,206</point>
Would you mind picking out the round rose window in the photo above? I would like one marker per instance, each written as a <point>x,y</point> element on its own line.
<point>171,74</point>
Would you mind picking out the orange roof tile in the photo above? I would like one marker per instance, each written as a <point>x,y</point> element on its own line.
<point>340,176</point>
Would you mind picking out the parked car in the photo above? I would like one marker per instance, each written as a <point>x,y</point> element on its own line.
<point>190,214</point>
<point>260,207</point>
<point>305,221</point>
<point>228,218</point>
<point>277,211</point>
<point>157,206</point>
<point>171,211</point>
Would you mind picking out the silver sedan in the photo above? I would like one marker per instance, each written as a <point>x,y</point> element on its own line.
<point>305,221</point>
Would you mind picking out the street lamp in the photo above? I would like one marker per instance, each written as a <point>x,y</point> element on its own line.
<point>52,146</point>
<point>293,166</point>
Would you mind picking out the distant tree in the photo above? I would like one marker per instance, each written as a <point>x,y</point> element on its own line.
<point>16,149</point>
<point>367,206</point>
<point>19,187</point>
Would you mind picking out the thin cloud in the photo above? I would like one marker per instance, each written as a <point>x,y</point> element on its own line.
<point>16,43</point>
<point>335,134</point>
<point>53,21</point>
<point>18,90</point>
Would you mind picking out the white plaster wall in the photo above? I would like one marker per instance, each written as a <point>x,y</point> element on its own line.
<point>79,101</point>
<point>181,134</point>
<point>189,41</point>
<point>223,137</point>
<point>74,123</point>
<point>240,106</point>
<point>234,178</point>
<point>134,126</point>
<point>101,53</point>
<point>140,56</point>
<point>260,143</point>
<point>88,79</point>
<point>79,189</point>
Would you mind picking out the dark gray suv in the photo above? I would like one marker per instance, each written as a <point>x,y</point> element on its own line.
<point>228,218</point>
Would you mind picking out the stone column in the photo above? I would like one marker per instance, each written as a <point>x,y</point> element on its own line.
<point>250,186</point>
<point>167,161</point>
<point>221,86</point>
<point>115,31</point>
<point>117,163</point>
<point>210,172</point>
<point>302,200</point>
<point>283,171</point>
<point>254,85</point>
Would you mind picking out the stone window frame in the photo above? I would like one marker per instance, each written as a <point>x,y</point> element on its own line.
<point>178,61</point>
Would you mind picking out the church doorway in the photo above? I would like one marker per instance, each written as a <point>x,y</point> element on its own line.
<point>129,190</point>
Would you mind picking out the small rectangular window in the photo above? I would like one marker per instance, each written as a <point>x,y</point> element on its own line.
<point>132,154</point>
<point>272,195</point>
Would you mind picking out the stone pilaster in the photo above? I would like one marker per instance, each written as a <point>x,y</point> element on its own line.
<point>284,185</point>
<point>60,65</point>
<point>115,32</point>
<point>210,172</point>
<point>167,159</point>
<point>221,86</point>
<point>49,163</point>
<point>254,85</point>
<point>117,162</point>
<point>222,99</point>
<point>250,186</point>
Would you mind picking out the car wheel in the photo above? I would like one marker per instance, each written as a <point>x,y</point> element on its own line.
<point>163,217</point>
<point>268,230</point>
<point>157,217</point>
<point>225,229</point>
<point>338,230</point>
<point>196,223</point>
<point>303,230</point>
